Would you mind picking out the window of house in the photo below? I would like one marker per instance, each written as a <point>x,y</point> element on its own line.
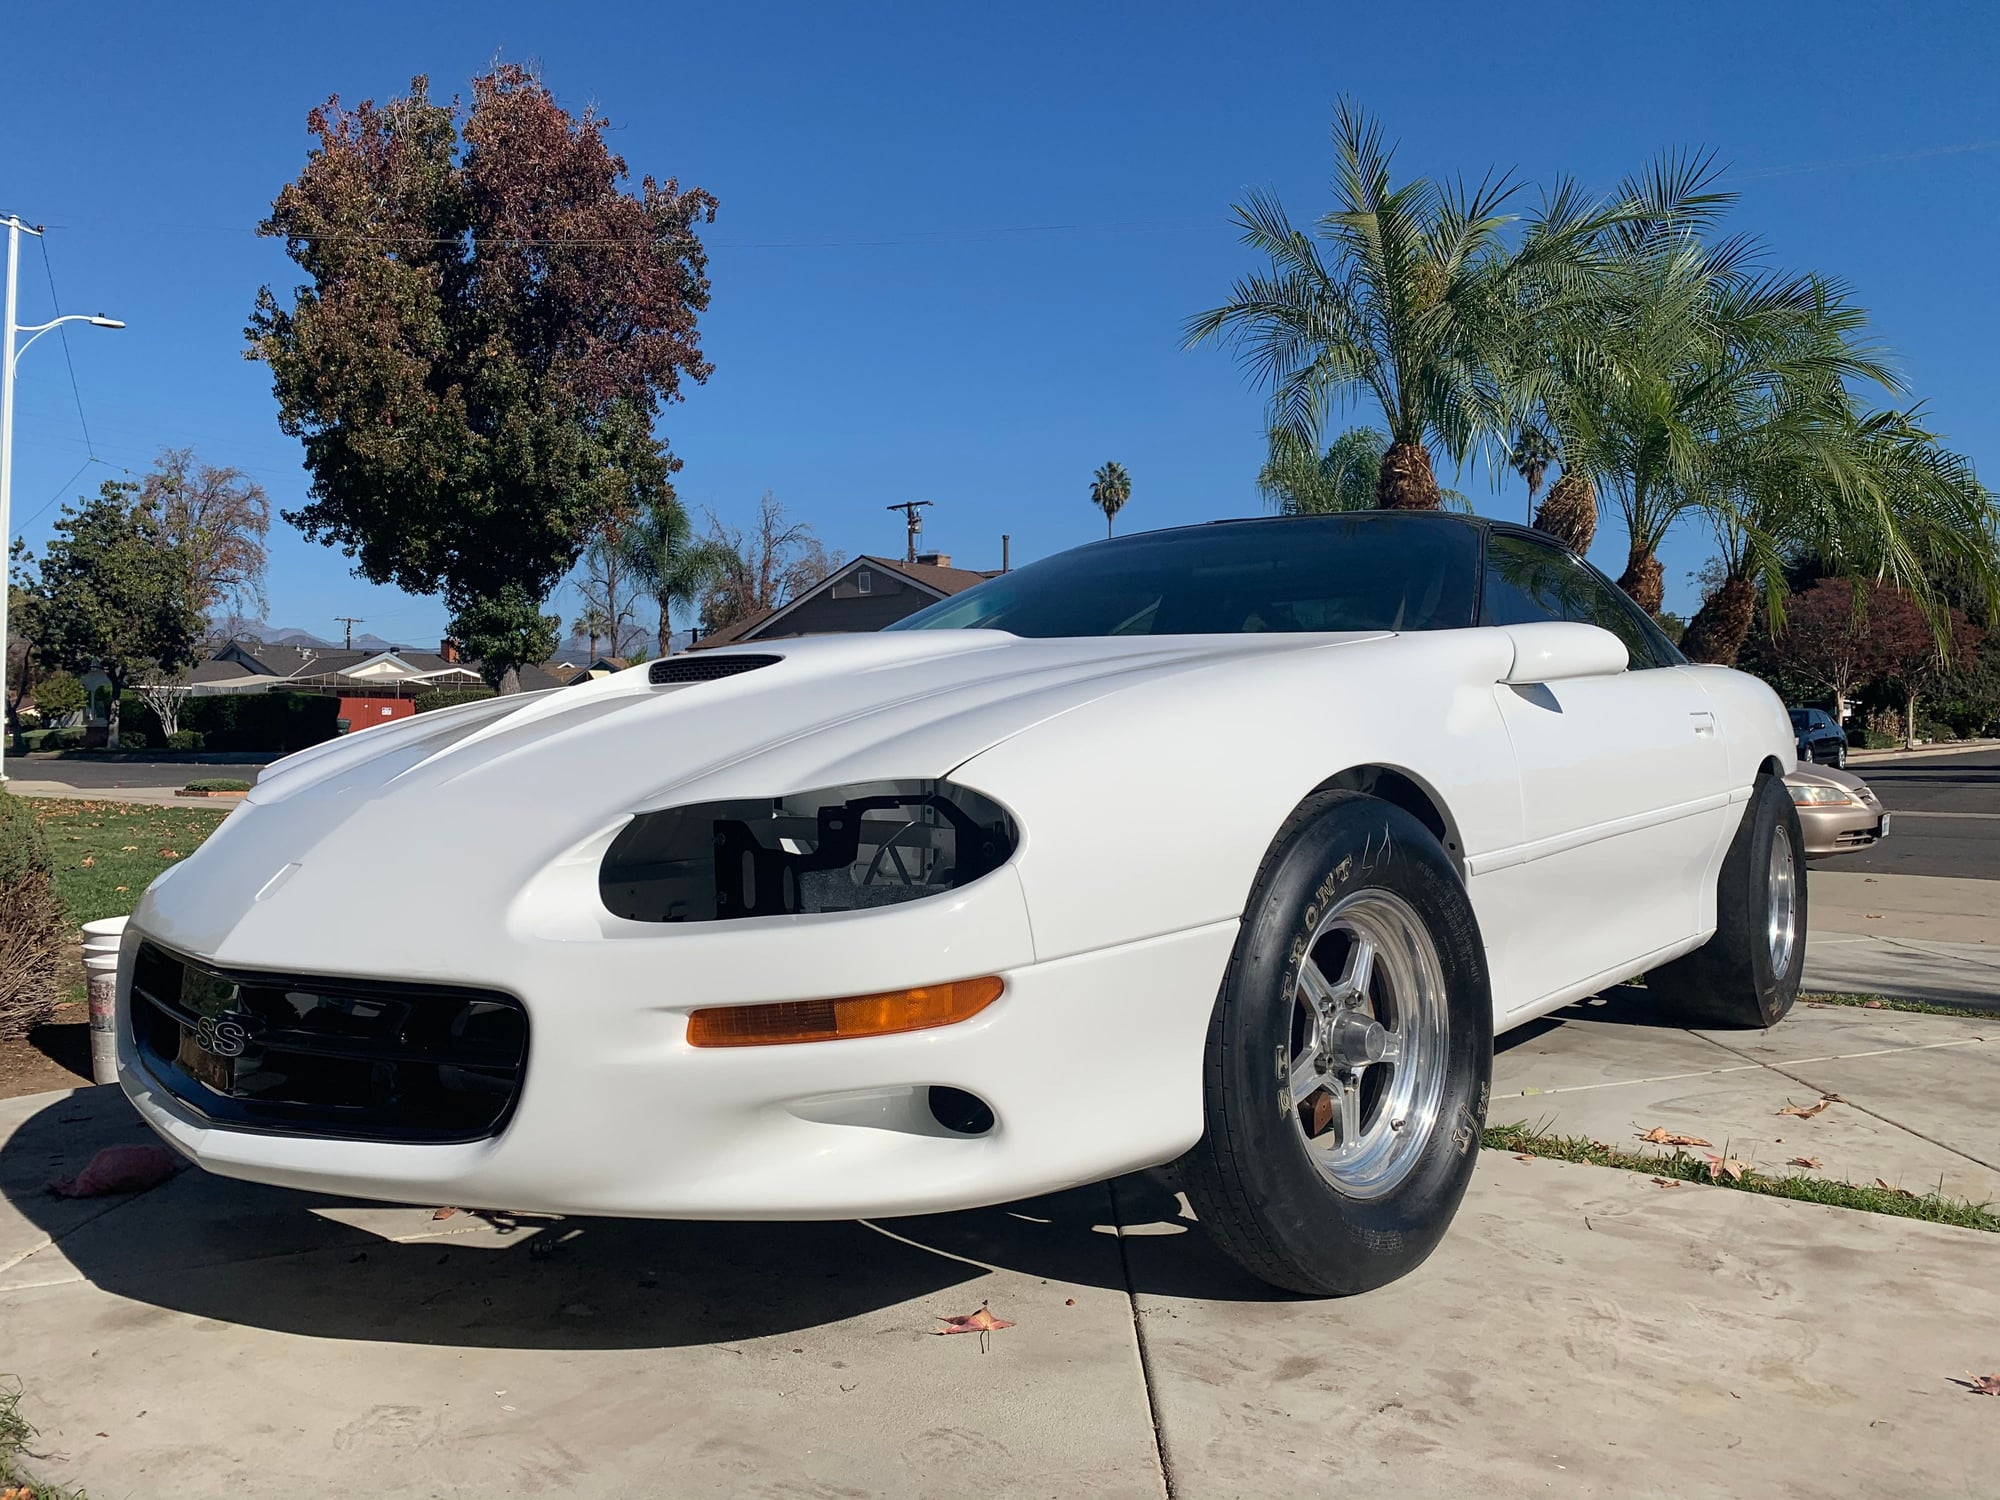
<point>864,582</point>
<point>1527,582</point>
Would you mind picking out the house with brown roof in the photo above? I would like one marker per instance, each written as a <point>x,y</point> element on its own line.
<point>865,594</point>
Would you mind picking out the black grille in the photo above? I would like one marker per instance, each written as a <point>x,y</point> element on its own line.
<point>331,1057</point>
<point>704,668</point>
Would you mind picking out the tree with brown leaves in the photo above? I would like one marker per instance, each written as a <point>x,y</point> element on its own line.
<point>489,324</point>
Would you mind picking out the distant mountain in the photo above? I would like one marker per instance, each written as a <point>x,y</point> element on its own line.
<point>275,635</point>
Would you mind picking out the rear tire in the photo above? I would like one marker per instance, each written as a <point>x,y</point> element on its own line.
<point>1357,998</point>
<point>1747,975</point>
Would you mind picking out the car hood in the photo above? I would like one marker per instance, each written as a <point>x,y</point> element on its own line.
<point>460,808</point>
<point>1847,781</point>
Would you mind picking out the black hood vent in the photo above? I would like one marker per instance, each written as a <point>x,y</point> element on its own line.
<point>704,668</point>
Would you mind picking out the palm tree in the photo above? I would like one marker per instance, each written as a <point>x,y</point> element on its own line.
<point>1299,482</point>
<point>1530,455</point>
<point>1407,296</point>
<point>1685,347</point>
<point>667,560</point>
<point>1862,495</point>
<point>1110,488</point>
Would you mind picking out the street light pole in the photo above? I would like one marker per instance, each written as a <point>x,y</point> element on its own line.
<point>10,329</point>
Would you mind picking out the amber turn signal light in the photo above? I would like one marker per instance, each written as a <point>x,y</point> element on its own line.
<point>832,1020</point>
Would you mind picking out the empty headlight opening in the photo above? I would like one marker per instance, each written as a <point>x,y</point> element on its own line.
<point>845,848</point>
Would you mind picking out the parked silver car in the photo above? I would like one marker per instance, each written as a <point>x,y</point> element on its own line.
<point>1837,811</point>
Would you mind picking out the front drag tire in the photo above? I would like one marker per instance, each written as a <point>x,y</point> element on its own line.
<point>1357,997</point>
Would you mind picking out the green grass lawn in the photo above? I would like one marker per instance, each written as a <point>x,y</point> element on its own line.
<point>106,853</point>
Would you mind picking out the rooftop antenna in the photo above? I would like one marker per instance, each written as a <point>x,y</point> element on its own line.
<point>350,621</point>
<point>909,508</point>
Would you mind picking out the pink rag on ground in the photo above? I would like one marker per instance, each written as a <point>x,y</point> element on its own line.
<point>119,1169</point>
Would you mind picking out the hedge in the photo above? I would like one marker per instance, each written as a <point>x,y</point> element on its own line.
<point>450,698</point>
<point>269,722</point>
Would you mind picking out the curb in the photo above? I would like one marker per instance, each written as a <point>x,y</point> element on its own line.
<point>1922,752</point>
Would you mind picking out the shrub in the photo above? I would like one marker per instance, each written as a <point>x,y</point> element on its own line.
<point>133,739</point>
<point>218,784</point>
<point>33,929</point>
<point>58,694</point>
<point>450,698</point>
<point>183,740</point>
<point>278,722</point>
<point>64,739</point>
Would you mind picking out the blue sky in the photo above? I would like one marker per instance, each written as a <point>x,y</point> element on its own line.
<point>955,245</point>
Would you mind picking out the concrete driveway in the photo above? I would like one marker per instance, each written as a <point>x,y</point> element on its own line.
<point>1581,1332</point>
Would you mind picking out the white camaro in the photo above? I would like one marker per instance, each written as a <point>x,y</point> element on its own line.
<point>1233,844</point>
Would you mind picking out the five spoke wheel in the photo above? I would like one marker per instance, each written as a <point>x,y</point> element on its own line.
<point>1366,1068</point>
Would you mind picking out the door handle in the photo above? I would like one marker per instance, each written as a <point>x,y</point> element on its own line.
<point>1704,724</point>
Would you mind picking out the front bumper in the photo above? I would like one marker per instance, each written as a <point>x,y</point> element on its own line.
<point>1091,1066</point>
<point>1841,830</point>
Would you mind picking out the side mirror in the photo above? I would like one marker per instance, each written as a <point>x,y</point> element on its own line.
<point>1558,650</point>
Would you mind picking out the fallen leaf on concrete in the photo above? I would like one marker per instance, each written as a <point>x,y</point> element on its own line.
<point>1659,1135</point>
<point>1871,1004</point>
<point>1069,1302</point>
<point>1522,1156</point>
<point>1982,1385</point>
<point>1807,1111</point>
<point>443,1213</point>
<point>1533,1091</point>
<point>1805,1161</point>
<point>1725,1168</point>
<point>1667,1181</point>
<point>982,1321</point>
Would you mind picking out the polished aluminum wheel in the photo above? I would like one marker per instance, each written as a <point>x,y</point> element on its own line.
<point>1783,901</point>
<point>1366,1070</point>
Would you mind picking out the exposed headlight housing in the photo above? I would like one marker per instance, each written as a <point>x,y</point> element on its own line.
<point>839,849</point>
<point>1817,795</point>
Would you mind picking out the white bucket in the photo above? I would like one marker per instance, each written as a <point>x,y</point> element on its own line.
<point>103,935</point>
<point>101,969</point>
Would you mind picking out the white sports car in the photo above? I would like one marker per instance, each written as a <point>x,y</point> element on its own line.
<point>1233,844</point>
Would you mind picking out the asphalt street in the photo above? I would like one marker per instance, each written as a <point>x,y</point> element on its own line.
<point>1946,816</point>
<point>110,775</point>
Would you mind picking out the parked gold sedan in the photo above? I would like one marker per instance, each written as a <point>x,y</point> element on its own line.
<point>1838,813</point>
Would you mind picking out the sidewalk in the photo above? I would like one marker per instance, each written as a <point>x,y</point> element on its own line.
<point>1921,937</point>
<point>1582,1331</point>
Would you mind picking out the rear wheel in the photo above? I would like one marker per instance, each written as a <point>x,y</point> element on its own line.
<point>1349,1056</point>
<point>1748,973</point>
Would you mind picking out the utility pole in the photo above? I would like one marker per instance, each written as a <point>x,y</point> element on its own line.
<point>10,329</point>
<point>350,621</point>
<point>909,508</point>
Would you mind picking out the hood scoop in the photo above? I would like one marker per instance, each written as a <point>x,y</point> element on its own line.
<point>704,669</point>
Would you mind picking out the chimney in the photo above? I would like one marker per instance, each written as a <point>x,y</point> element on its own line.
<point>448,649</point>
<point>1006,543</point>
<point>934,559</point>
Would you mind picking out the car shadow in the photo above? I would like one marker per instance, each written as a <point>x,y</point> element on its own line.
<point>325,1267</point>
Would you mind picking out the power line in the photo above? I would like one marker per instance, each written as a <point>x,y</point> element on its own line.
<point>42,509</point>
<point>62,332</point>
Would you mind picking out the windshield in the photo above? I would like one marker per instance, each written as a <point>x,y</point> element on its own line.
<point>1798,718</point>
<point>1304,573</point>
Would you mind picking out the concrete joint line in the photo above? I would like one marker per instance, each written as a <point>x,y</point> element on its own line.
<point>1626,1083</point>
<point>1874,1114</point>
<point>1160,1459</point>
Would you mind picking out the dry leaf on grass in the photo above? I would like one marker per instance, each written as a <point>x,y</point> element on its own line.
<point>1807,1111</point>
<point>89,860</point>
<point>982,1323</point>
<point>1659,1135</point>
<point>1898,1191</point>
<point>129,849</point>
<point>1725,1168</point>
<point>1805,1161</point>
<point>1982,1385</point>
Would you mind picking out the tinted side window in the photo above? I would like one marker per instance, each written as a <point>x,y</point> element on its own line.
<point>1527,582</point>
